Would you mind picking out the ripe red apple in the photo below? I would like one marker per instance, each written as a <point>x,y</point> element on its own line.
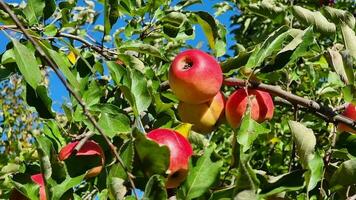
<point>195,77</point>
<point>349,112</point>
<point>203,116</point>
<point>261,105</point>
<point>180,152</point>
<point>90,148</point>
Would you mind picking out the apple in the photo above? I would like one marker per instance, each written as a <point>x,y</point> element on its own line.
<point>349,112</point>
<point>90,148</point>
<point>38,179</point>
<point>261,105</point>
<point>180,152</point>
<point>203,116</point>
<point>195,77</point>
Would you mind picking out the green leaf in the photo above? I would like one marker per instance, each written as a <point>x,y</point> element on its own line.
<point>315,19</point>
<point>249,131</point>
<point>50,30</point>
<point>305,141</point>
<point>141,48</point>
<point>273,43</point>
<point>64,186</point>
<point>136,91</point>
<point>223,194</point>
<point>45,152</point>
<point>201,176</point>
<point>345,175</point>
<point>315,172</point>
<point>337,16</point>
<point>111,10</point>
<point>269,9</point>
<point>51,130</point>
<point>152,158</point>
<point>246,178</point>
<point>40,100</point>
<point>185,3</point>
<point>127,156</point>
<point>30,190</point>
<point>34,11</point>
<point>336,61</point>
<point>27,64</point>
<point>155,189</point>
<point>114,124</point>
<point>63,64</point>
<point>291,181</point>
<point>349,39</point>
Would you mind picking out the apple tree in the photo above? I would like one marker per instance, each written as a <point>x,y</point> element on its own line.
<point>263,108</point>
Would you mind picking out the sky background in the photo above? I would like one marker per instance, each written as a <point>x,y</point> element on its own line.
<point>57,91</point>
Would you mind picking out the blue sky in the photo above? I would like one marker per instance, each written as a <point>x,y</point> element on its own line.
<point>58,92</point>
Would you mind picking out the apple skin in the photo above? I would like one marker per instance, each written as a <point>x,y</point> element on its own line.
<point>89,148</point>
<point>262,106</point>
<point>203,116</point>
<point>180,152</point>
<point>349,112</point>
<point>38,179</point>
<point>195,77</point>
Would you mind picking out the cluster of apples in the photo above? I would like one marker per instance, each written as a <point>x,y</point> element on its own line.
<point>195,78</point>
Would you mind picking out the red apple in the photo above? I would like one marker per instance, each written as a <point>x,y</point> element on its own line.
<point>38,179</point>
<point>203,116</point>
<point>261,105</point>
<point>180,152</point>
<point>349,112</point>
<point>195,77</point>
<point>90,148</point>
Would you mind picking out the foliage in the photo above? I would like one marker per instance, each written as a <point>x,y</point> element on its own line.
<point>116,55</point>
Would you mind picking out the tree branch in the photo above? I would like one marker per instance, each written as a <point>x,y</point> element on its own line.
<point>52,64</point>
<point>328,112</point>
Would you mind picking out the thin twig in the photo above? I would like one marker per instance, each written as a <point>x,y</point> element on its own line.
<point>52,64</point>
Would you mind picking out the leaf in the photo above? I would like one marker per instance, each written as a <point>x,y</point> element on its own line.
<point>349,39</point>
<point>141,48</point>
<point>45,152</point>
<point>209,26</point>
<point>291,181</point>
<point>249,131</point>
<point>269,9</point>
<point>246,178</point>
<point>305,141</point>
<point>345,175</point>
<point>68,183</point>
<point>315,172</point>
<point>155,189</point>
<point>136,91</point>
<point>50,30</point>
<point>34,11</point>
<point>152,158</point>
<point>40,100</point>
<point>273,43</point>
<point>51,130</point>
<point>246,195</point>
<point>315,18</point>
<point>114,124</point>
<point>64,65</point>
<point>223,194</point>
<point>127,156</point>
<point>201,176</point>
<point>117,188</point>
<point>185,3</point>
<point>336,61</point>
<point>27,64</point>
<point>111,10</point>
<point>337,16</point>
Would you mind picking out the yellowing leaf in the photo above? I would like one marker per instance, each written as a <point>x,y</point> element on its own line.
<point>184,129</point>
<point>72,57</point>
